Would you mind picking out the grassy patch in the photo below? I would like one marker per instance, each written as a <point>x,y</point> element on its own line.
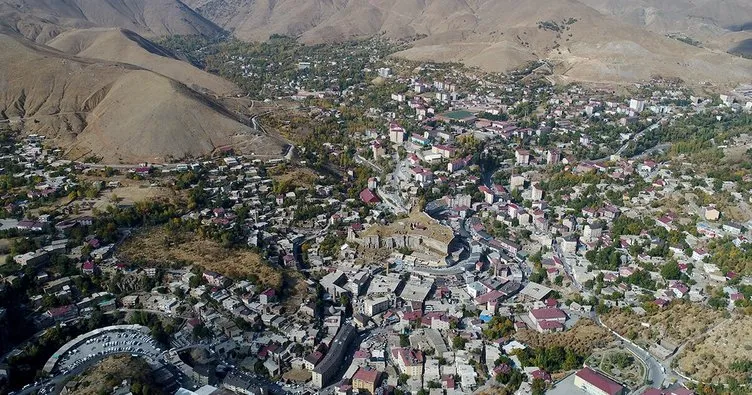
<point>157,247</point>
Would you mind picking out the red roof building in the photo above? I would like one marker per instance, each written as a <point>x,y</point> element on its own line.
<point>368,197</point>
<point>366,378</point>
<point>595,383</point>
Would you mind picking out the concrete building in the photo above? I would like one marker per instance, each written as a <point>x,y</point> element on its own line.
<point>375,306</point>
<point>637,105</point>
<point>366,379</point>
<point>409,361</point>
<point>592,232</point>
<point>324,373</point>
<point>536,192</point>
<point>548,319</point>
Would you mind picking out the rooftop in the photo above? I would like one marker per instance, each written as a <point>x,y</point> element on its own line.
<point>599,381</point>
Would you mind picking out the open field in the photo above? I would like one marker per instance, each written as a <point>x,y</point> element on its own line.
<point>679,322</point>
<point>298,376</point>
<point>288,178</point>
<point>583,338</point>
<point>708,358</point>
<point>158,247</point>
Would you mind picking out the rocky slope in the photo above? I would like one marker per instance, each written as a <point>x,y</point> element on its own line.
<point>125,46</point>
<point>120,112</point>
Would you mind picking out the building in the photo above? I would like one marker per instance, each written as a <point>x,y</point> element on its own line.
<point>409,361</point>
<point>592,232</point>
<point>368,197</point>
<point>637,105</point>
<point>33,258</point>
<point>371,307</point>
<point>595,383</point>
<point>548,319</point>
<point>569,244</point>
<point>241,385</point>
<point>324,373</point>
<point>522,157</point>
<point>366,379</point>
<point>712,214</point>
<point>536,192</point>
<point>552,157</point>
<point>396,134</point>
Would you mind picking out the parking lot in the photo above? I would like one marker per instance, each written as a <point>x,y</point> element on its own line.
<point>108,343</point>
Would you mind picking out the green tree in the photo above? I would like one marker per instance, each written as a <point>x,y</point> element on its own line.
<point>671,271</point>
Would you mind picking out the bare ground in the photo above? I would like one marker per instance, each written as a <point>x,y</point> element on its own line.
<point>583,338</point>
<point>678,322</point>
<point>158,247</point>
<point>708,358</point>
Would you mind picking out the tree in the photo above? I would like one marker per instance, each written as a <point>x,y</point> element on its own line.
<point>671,271</point>
<point>538,386</point>
<point>459,343</point>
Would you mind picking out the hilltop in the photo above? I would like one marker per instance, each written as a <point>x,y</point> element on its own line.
<point>116,111</point>
<point>125,46</point>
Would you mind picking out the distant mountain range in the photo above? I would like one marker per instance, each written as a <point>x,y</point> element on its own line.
<point>86,73</point>
<point>606,41</point>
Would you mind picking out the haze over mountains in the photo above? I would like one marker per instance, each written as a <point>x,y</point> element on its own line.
<point>87,73</point>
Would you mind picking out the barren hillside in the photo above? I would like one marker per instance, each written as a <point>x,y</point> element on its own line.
<point>124,46</point>
<point>497,35</point>
<point>42,20</point>
<point>119,112</point>
<point>720,24</point>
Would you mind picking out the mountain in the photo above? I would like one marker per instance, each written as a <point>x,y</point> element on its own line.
<point>125,46</point>
<point>120,112</point>
<point>583,43</point>
<point>720,24</point>
<point>41,20</point>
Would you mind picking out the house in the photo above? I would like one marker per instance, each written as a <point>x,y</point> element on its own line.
<point>548,319</point>
<point>268,296</point>
<point>409,361</point>
<point>569,244</point>
<point>368,197</point>
<point>488,196</point>
<point>366,379</point>
<point>313,359</point>
<point>536,192</point>
<point>522,157</point>
<point>592,232</point>
<point>552,157</point>
<point>63,313</point>
<point>732,228</point>
<point>88,268</point>
<point>214,279</point>
<point>595,383</point>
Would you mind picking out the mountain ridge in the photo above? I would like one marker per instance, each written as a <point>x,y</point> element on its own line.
<point>496,35</point>
<point>119,112</point>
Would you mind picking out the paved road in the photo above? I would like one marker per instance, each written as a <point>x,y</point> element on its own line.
<point>656,371</point>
